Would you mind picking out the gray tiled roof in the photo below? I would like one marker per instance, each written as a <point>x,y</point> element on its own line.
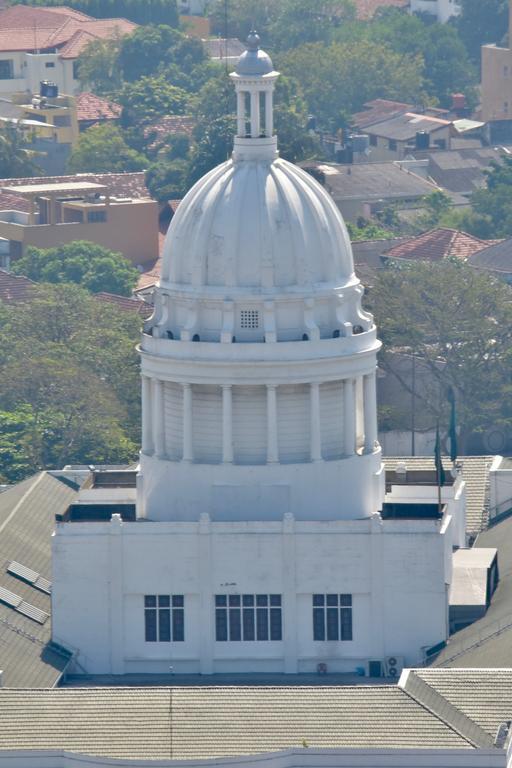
<point>488,641</point>
<point>195,723</point>
<point>27,519</point>
<point>483,695</point>
<point>496,258</point>
<point>475,471</point>
<point>372,181</point>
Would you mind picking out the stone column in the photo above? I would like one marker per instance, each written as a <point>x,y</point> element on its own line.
<point>188,448</point>
<point>349,416</point>
<point>240,112</point>
<point>370,412</point>
<point>227,424</point>
<point>158,418</point>
<point>315,433</point>
<point>272,441</point>
<point>255,114</point>
<point>147,418</point>
<point>269,114</point>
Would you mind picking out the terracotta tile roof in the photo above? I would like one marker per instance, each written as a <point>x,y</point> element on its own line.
<point>126,304</point>
<point>14,288</point>
<point>24,28</point>
<point>151,275</point>
<point>437,244</point>
<point>82,34</point>
<point>119,185</point>
<point>92,107</point>
<point>168,125</point>
<point>379,109</point>
<point>365,9</point>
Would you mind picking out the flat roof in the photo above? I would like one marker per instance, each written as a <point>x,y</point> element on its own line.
<point>41,189</point>
<point>477,557</point>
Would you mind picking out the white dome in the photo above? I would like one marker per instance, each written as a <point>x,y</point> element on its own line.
<point>257,224</point>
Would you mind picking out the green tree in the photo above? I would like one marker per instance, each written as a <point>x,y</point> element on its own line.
<point>103,149</point>
<point>139,11</point>
<point>481,22</point>
<point>340,78</point>
<point>81,262</point>
<point>149,98</point>
<point>436,206</point>
<point>15,157</point>
<point>69,382</point>
<point>98,66</point>
<point>296,22</point>
<point>432,312</point>
<point>167,179</point>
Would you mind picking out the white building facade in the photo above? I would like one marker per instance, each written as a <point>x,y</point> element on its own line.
<point>261,539</point>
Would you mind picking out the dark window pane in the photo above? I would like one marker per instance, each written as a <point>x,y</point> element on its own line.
<point>262,623</point>
<point>234,600</point>
<point>150,622</point>
<point>221,600</point>
<point>332,624</point>
<point>318,624</point>
<point>164,601</point>
<point>332,599</point>
<point>275,624</point>
<point>178,625</point>
<point>345,599</point>
<point>248,616</point>
<point>178,601</point>
<point>318,599</point>
<point>261,600</point>
<point>221,624</point>
<point>164,625</point>
<point>235,630</point>
<point>247,600</point>
<point>346,623</point>
<point>150,601</point>
<point>275,599</point>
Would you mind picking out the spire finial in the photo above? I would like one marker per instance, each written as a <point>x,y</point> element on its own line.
<point>253,40</point>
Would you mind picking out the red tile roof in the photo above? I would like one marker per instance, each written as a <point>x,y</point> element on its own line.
<point>24,28</point>
<point>15,288</point>
<point>119,185</point>
<point>125,303</point>
<point>367,8</point>
<point>168,126</point>
<point>91,107</point>
<point>437,244</point>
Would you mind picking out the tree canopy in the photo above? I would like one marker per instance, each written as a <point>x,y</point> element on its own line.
<point>69,382</point>
<point>458,322</point>
<point>81,262</point>
<point>103,149</point>
<point>15,157</point>
<point>139,11</point>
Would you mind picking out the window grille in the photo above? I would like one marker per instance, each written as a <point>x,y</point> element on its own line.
<point>164,618</point>
<point>332,617</point>
<point>248,617</point>
<point>249,318</point>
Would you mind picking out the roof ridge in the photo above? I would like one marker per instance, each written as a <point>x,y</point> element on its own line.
<point>430,699</point>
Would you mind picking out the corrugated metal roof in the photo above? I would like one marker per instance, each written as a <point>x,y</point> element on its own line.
<point>27,520</point>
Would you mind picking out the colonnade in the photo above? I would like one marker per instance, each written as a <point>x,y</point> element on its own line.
<point>255,113</point>
<point>153,419</point>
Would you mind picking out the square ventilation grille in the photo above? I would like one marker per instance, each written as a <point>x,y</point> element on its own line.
<point>249,318</point>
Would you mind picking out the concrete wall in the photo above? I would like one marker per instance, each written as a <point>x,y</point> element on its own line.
<point>496,83</point>
<point>29,69</point>
<point>441,9</point>
<point>131,228</point>
<point>304,758</point>
<point>500,486</point>
<point>396,571</point>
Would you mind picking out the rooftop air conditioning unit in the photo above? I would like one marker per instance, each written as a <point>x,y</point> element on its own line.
<point>394,666</point>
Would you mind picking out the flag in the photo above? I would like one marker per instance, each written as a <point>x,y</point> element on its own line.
<point>438,459</point>
<point>453,426</point>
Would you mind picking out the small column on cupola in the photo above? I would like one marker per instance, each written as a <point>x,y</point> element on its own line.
<point>254,80</point>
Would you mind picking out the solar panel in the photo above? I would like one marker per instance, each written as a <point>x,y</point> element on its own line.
<point>17,602</point>
<point>32,577</point>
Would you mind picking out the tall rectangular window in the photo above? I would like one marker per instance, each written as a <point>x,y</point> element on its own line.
<point>6,69</point>
<point>164,618</point>
<point>248,618</point>
<point>332,617</point>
